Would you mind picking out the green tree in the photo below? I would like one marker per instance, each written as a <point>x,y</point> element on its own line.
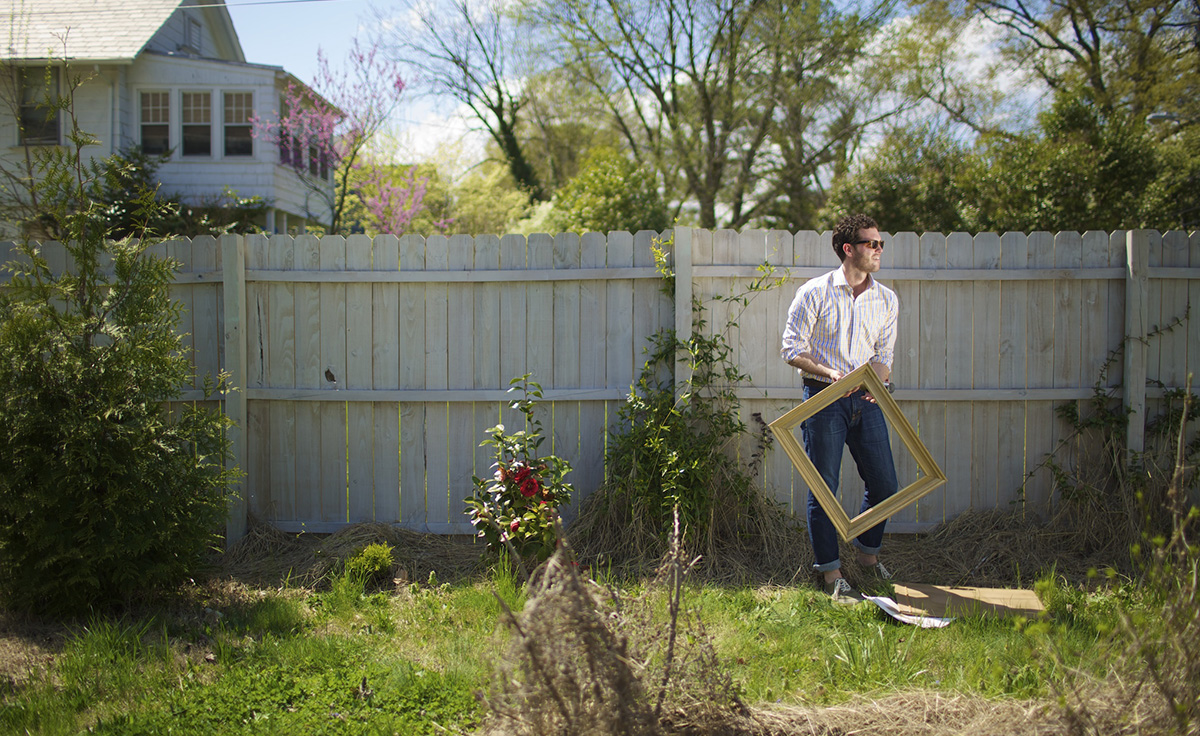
<point>1079,171</point>
<point>105,495</point>
<point>487,200</point>
<point>1092,159</point>
<point>126,176</point>
<point>478,54</point>
<point>742,107</point>
<point>911,182</point>
<point>610,193</point>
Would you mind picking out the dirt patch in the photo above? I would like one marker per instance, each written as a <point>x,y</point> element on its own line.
<point>27,647</point>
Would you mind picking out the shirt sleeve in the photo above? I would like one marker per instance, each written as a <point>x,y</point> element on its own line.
<point>885,343</point>
<point>797,333</point>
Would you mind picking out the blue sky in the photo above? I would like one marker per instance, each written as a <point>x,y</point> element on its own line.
<point>288,33</point>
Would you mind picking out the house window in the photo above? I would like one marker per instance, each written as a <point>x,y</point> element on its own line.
<point>314,168</point>
<point>291,150</point>
<point>156,122</point>
<point>38,116</point>
<point>197,124</point>
<point>239,108</point>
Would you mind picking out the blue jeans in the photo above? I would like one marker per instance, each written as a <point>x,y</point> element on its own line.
<point>855,422</point>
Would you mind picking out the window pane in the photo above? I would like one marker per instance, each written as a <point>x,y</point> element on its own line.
<point>197,108</point>
<point>197,124</point>
<point>197,140</point>
<point>239,108</point>
<point>238,141</point>
<point>156,139</point>
<point>156,116</point>
<point>37,118</point>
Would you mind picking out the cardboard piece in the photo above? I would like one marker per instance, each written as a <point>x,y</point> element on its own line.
<point>891,608</point>
<point>932,476</point>
<point>916,599</point>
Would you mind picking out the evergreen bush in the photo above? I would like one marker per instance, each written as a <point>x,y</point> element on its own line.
<point>106,494</point>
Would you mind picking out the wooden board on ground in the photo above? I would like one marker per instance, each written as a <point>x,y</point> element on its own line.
<point>917,599</point>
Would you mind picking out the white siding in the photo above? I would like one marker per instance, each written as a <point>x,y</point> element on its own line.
<point>205,178</point>
<point>172,37</point>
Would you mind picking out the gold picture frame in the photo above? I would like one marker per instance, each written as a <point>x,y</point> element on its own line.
<point>864,376</point>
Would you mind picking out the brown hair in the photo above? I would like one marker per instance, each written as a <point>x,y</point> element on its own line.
<point>846,231</point>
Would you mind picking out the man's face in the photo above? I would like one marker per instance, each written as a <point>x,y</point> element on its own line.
<point>862,254</point>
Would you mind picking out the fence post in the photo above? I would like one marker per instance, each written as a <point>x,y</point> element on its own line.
<point>233,266</point>
<point>1137,307</point>
<point>683,301</point>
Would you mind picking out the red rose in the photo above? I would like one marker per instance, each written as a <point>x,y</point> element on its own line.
<point>530,487</point>
<point>513,526</point>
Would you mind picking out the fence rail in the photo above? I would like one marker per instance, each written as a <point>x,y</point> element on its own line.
<point>371,368</point>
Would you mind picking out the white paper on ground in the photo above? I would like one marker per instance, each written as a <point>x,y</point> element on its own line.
<point>890,608</point>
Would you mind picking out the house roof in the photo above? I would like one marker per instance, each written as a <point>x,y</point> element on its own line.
<point>91,30</point>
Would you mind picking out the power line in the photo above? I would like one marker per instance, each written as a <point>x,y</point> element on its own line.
<point>24,12</point>
<point>279,2</point>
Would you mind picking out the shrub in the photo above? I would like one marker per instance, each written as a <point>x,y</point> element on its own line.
<point>105,494</point>
<point>516,508</point>
<point>371,563</point>
<point>610,193</point>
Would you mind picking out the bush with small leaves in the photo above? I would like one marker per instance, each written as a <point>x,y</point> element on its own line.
<point>371,563</point>
<point>106,494</point>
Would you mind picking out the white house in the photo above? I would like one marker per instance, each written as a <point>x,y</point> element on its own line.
<point>168,76</point>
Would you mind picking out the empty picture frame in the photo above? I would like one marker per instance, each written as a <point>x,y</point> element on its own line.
<point>865,377</point>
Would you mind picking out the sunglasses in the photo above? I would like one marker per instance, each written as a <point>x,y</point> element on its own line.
<point>875,244</point>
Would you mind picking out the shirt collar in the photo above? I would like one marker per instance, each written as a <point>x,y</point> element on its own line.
<point>839,279</point>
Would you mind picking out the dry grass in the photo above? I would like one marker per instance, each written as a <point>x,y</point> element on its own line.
<point>585,660</point>
<point>913,714</point>
<point>267,557</point>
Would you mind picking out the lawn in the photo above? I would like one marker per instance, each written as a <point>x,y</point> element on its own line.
<point>411,656</point>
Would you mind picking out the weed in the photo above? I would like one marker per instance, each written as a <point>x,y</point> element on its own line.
<point>371,564</point>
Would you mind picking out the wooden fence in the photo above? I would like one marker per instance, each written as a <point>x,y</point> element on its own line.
<point>372,368</point>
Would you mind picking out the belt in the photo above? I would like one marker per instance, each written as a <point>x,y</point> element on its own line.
<point>816,385</point>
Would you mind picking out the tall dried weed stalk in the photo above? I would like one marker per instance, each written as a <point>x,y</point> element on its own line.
<point>584,661</point>
<point>1154,686</point>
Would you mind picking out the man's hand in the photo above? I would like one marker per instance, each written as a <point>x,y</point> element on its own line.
<point>884,374</point>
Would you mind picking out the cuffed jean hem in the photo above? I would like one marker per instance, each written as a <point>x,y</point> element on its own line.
<point>865,549</point>
<point>828,566</point>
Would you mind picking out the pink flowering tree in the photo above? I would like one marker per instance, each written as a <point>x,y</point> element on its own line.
<point>324,133</point>
<point>393,196</point>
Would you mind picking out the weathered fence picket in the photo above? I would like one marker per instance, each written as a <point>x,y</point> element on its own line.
<point>371,369</point>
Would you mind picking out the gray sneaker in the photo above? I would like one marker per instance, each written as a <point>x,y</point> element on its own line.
<point>878,571</point>
<point>841,592</point>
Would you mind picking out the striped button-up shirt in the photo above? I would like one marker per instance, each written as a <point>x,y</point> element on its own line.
<point>831,325</point>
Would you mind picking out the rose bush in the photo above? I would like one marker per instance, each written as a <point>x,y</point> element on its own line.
<point>518,504</point>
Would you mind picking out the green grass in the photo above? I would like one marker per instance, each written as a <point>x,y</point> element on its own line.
<point>345,661</point>
<point>792,645</point>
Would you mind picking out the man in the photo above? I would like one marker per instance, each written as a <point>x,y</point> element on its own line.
<point>836,323</point>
